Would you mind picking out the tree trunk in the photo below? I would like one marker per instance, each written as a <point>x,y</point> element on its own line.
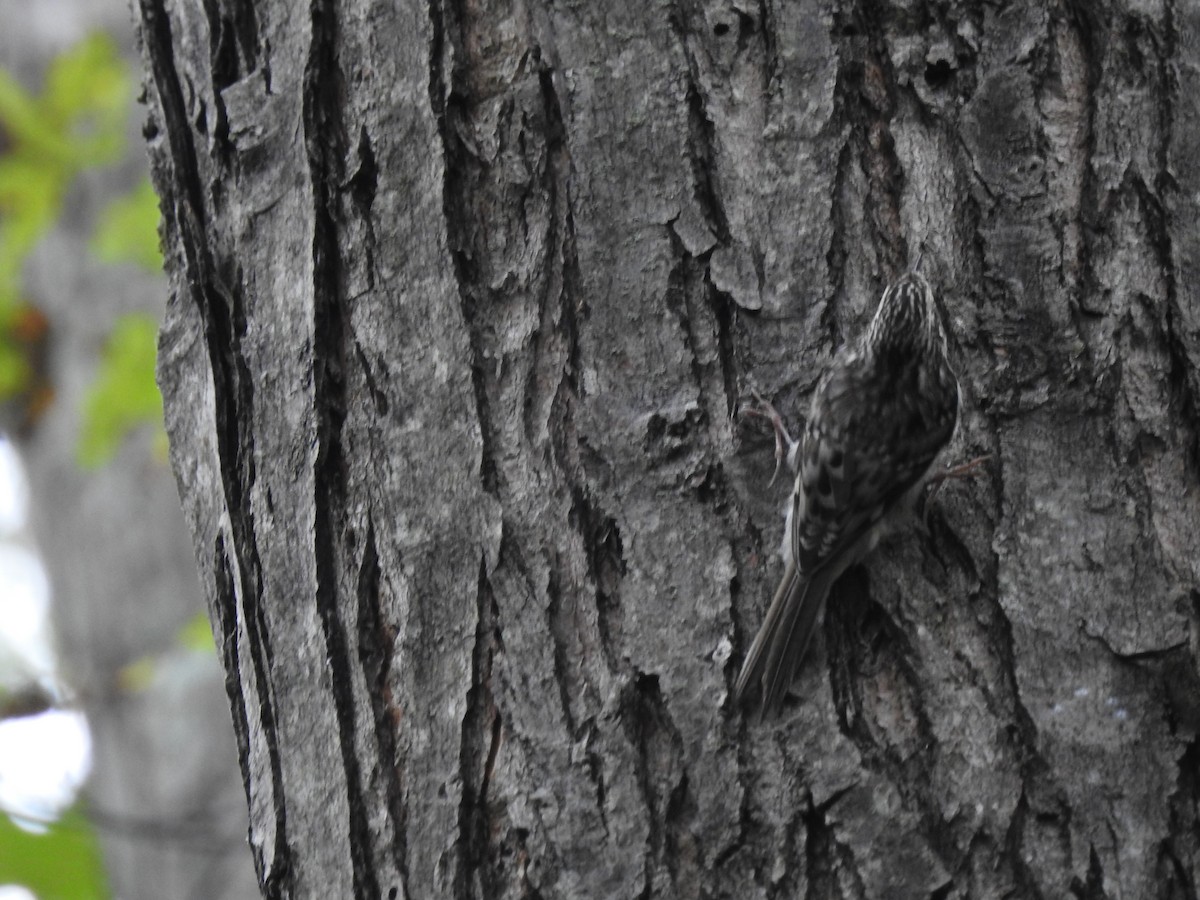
<point>464,296</point>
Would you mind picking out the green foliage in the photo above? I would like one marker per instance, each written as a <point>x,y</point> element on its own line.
<point>15,371</point>
<point>124,394</point>
<point>61,864</point>
<point>196,635</point>
<point>128,230</point>
<point>76,122</point>
<point>30,194</point>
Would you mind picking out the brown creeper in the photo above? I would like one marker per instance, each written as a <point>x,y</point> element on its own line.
<point>881,412</point>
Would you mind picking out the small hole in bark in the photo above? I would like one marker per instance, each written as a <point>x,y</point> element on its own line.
<point>721,29</point>
<point>746,26</point>
<point>939,73</point>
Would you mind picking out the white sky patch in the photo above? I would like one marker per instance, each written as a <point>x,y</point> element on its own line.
<point>25,647</point>
<point>14,495</point>
<point>43,761</point>
<point>15,892</point>
<point>57,22</point>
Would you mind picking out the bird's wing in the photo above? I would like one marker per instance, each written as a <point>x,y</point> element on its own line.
<point>861,454</point>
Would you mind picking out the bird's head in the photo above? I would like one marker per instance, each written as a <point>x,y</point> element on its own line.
<point>907,320</point>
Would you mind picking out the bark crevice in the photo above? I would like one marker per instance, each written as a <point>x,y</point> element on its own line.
<point>325,143</point>
<point>482,733</point>
<point>214,288</point>
<point>377,650</point>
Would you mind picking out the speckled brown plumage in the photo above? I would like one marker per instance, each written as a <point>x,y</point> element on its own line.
<point>880,414</point>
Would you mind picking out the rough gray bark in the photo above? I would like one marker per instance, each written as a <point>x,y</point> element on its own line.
<point>464,297</point>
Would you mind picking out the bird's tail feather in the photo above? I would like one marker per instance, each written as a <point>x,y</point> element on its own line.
<point>780,645</point>
<point>756,657</point>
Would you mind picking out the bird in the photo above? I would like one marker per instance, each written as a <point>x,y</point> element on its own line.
<point>881,412</point>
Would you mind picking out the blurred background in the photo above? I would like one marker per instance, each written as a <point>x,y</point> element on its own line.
<point>118,771</point>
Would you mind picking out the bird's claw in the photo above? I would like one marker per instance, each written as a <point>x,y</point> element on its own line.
<point>783,440</point>
<point>962,470</point>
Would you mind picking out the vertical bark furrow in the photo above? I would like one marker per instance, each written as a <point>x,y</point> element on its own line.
<point>244,27</point>
<point>1184,371</point>
<point>1066,101</point>
<point>377,648</point>
<point>698,428</point>
<point>225,69</point>
<point>730,344</point>
<point>839,254</point>
<point>871,109</point>
<point>660,774</point>
<point>1178,183</point>
<point>768,28</point>
<point>606,570</point>
<point>819,855</point>
<point>1019,854</point>
<point>559,626</point>
<point>326,145</point>
<point>225,616</point>
<point>1183,849</point>
<point>482,728</point>
<point>704,294</point>
<point>554,357</point>
<point>564,295</point>
<point>681,850</point>
<point>218,298</point>
<point>701,136</point>
<point>362,186</point>
<point>445,100</point>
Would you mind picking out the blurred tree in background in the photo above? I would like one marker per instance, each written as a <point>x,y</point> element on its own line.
<point>80,296</point>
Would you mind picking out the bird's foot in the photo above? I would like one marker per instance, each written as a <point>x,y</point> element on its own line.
<point>969,469</point>
<point>962,470</point>
<point>785,447</point>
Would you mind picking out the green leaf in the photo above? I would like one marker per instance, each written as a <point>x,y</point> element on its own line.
<point>87,93</point>
<point>64,863</point>
<point>128,230</point>
<point>15,372</point>
<point>28,125</point>
<point>90,77</point>
<point>77,121</point>
<point>30,196</point>
<point>196,634</point>
<point>124,394</point>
